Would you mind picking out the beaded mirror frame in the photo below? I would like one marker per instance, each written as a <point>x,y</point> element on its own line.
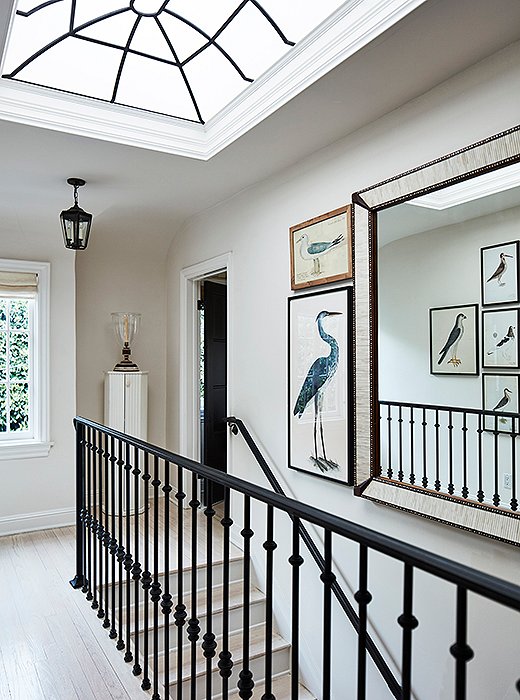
<point>485,156</point>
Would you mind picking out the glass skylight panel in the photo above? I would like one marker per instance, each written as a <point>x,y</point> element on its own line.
<point>184,58</point>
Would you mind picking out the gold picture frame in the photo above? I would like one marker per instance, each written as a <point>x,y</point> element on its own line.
<point>321,249</point>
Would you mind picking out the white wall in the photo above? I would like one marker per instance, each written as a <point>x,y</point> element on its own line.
<point>39,492</point>
<point>254,226</point>
<point>121,270</point>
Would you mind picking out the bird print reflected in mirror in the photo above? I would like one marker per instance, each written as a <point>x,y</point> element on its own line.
<point>452,343</point>
<point>500,270</point>
<point>316,250</point>
<point>312,391</point>
<point>503,403</point>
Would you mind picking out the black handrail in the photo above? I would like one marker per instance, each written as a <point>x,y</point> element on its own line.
<point>476,581</point>
<point>236,425</point>
<point>458,409</point>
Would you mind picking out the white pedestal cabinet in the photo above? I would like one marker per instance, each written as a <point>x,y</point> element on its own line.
<point>126,410</point>
<point>126,402</point>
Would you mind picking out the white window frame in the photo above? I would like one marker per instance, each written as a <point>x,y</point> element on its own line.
<point>38,445</point>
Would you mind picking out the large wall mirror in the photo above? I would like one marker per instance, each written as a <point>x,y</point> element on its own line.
<point>437,361</point>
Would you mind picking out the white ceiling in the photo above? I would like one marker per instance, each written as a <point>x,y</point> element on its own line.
<point>133,190</point>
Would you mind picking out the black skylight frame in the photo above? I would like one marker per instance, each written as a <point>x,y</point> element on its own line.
<point>210,41</point>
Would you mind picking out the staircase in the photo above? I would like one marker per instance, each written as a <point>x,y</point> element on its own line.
<point>281,684</point>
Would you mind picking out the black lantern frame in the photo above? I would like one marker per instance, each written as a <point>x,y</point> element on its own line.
<point>75,222</point>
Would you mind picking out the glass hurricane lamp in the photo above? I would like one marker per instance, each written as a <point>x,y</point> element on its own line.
<point>126,325</point>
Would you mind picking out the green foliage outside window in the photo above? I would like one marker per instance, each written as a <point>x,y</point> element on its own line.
<point>15,371</point>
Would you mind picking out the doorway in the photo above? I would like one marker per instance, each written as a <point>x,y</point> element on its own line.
<point>212,310</point>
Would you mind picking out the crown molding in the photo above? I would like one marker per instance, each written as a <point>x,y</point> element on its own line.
<point>354,25</point>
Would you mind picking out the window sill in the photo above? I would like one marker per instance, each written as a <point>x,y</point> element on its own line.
<point>24,449</point>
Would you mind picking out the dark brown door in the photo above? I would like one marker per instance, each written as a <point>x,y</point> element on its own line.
<point>214,444</point>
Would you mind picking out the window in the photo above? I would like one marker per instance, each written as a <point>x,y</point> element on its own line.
<point>24,311</point>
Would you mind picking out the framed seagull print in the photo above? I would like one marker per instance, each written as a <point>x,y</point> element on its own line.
<point>499,273</point>
<point>454,340</point>
<point>500,394</point>
<point>321,249</point>
<point>320,384</point>
<point>499,339</point>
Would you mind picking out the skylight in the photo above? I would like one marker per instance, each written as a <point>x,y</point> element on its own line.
<point>182,58</point>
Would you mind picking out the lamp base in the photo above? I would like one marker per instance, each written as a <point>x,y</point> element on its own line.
<point>126,366</point>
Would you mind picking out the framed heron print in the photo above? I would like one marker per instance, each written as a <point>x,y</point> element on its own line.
<point>321,249</point>
<point>499,274</point>
<point>320,384</point>
<point>453,340</point>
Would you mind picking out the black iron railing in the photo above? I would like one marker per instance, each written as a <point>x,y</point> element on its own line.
<point>468,453</point>
<point>130,496</point>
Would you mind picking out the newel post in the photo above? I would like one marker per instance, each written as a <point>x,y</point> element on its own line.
<point>79,578</point>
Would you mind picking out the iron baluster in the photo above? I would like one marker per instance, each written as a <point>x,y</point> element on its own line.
<point>209,644</point>
<point>461,651</point>
<point>155,591</point>
<point>424,450</point>
<point>328,579</point>
<point>180,608</point>
<point>193,628</point>
<point>136,568</point>
<point>128,561</point>
<point>451,487</point>
<point>113,541</point>
<point>389,470</point>
<point>295,560</point>
<point>98,451</point>
<point>496,495</point>
<point>269,546</point>
<point>408,622</point>
<point>363,598</point>
<point>412,447</point>
<point>166,602</point>
<point>480,492</point>
<point>225,662</point>
<point>437,425</point>
<point>120,551</point>
<point>79,579</point>
<point>87,532</point>
<point>514,435</point>
<point>465,490</point>
<point>246,682</point>
<point>94,521</point>
<point>106,537</point>
<point>400,473</point>
<point>146,579</point>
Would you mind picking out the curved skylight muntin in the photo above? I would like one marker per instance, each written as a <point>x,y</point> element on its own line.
<point>182,58</point>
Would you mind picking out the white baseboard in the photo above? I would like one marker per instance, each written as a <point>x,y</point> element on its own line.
<point>44,520</point>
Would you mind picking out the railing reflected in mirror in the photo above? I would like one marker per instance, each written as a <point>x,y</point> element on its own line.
<point>437,358</point>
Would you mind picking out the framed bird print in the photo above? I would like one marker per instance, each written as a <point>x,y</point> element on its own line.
<point>320,384</point>
<point>454,340</point>
<point>321,249</point>
<point>499,341</point>
<point>499,273</point>
<point>500,394</point>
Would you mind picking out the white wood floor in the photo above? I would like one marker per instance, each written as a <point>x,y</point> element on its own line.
<point>52,645</point>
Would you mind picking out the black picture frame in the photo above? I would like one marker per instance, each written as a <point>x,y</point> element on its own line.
<point>504,292</point>
<point>443,320</point>
<point>494,385</point>
<point>330,454</point>
<point>500,339</point>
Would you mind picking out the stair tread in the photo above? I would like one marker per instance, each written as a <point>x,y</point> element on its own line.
<point>235,598</point>
<point>256,648</point>
<point>281,689</point>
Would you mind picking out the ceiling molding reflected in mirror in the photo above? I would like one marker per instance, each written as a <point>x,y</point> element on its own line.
<point>437,374</point>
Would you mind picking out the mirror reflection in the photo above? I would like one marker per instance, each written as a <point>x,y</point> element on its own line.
<point>448,359</point>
